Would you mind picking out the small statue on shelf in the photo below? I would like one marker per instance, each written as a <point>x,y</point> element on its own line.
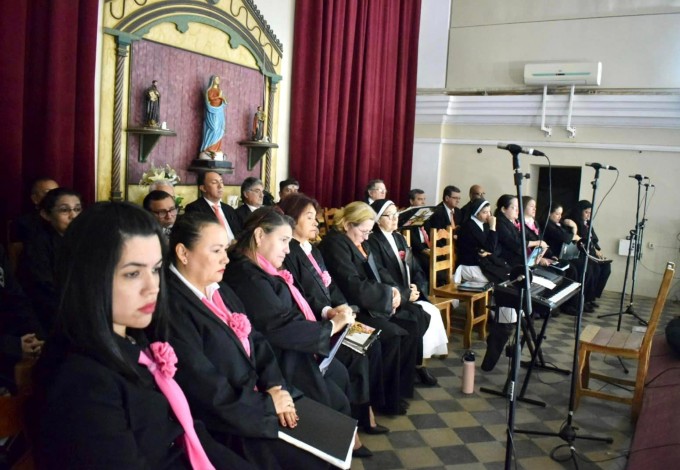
<point>152,100</point>
<point>214,123</point>
<point>258,124</point>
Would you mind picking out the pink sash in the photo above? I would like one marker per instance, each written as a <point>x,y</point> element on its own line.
<point>238,322</point>
<point>161,364</point>
<point>288,278</point>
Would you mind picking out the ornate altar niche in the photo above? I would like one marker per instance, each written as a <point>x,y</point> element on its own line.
<point>181,44</point>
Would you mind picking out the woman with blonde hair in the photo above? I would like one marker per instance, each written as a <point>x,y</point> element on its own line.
<point>373,290</point>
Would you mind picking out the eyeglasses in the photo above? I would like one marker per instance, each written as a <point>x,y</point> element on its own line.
<point>165,212</point>
<point>365,233</point>
<point>393,215</point>
<point>256,191</point>
<point>379,190</point>
<point>67,210</point>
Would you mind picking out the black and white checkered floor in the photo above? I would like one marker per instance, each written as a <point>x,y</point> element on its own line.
<point>445,429</point>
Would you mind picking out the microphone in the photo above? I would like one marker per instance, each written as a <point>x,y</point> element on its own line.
<point>599,166</point>
<point>514,148</point>
<point>639,177</point>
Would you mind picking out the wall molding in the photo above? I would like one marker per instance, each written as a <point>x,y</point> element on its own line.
<point>623,111</point>
<point>542,145</point>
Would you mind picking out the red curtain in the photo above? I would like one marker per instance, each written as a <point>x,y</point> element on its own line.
<point>46,98</point>
<point>353,97</point>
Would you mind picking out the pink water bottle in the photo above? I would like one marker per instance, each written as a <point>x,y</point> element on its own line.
<point>468,381</point>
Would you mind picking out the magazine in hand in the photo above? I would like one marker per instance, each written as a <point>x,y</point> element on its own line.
<point>323,432</point>
<point>415,216</point>
<point>336,340</point>
<point>360,337</point>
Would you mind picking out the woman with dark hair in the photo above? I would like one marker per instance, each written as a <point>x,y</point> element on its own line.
<point>229,371</point>
<point>392,253</point>
<point>280,312</point>
<point>376,294</point>
<point>305,263</point>
<point>600,270</point>
<point>58,209</point>
<point>106,398</point>
<point>509,235</point>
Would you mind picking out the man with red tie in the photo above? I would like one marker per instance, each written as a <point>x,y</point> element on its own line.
<point>212,188</point>
<point>447,212</point>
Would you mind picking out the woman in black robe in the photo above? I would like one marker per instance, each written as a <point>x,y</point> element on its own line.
<point>309,271</point>
<point>372,289</point>
<point>229,371</point>
<point>278,310</point>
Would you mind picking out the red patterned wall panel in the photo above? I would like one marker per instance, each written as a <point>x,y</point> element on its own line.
<point>183,77</point>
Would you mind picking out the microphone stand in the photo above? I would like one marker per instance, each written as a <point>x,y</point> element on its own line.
<point>568,431</point>
<point>635,244</point>
<point>524,310</point>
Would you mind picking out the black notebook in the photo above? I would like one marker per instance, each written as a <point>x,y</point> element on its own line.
<point>322,431</point>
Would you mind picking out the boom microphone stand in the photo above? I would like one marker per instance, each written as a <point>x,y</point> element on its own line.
<point>568,431</point>
<point>525,302</point>
<point>635,245</point>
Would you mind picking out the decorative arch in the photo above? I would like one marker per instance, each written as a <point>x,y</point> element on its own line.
<point>127,21</point>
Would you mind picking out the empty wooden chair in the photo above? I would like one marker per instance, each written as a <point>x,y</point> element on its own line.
<point>624,344</point>
<point>442,263</point>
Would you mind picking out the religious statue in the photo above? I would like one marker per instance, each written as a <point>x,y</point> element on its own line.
<point>214,123</point>
<point>152,100</point>
<point>258,124</point>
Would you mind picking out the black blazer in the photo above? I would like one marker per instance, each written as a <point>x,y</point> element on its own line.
<point>243,212</point>
<point>93,417</point>
<point>472,239</point>
<point>220,380</point>
<point>509,241</point>
<point>201,205</point>
<point>556,236</point>
<point>309,282</point>
<point>361,280</point>
<point>440,218</point>
<point>274,313</point>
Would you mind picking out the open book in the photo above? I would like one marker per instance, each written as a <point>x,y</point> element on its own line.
<point>415,216</point>
<point>360,337</point>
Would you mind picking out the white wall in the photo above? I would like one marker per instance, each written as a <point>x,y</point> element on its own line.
<point>434,33</point>
<point>638,42</point>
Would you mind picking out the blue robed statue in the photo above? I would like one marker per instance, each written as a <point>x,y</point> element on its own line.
<point>214,123</point>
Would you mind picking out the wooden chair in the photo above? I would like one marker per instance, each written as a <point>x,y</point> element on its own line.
<point>633,345</point>
<point>12,411</point>
<point>442,261</point>
<point>328,215</point>
<point>443,304</point>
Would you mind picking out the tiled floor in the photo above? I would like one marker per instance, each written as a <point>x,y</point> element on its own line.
<point>445,429</point>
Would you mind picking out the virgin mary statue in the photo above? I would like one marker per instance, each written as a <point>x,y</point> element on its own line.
<point>214,123</point>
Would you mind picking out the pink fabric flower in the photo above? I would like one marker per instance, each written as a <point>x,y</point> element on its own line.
<point>287,276</point>
<point>240,324</point>
<point>402,254</point>
<point>326,278</point>
<point>165,358</point>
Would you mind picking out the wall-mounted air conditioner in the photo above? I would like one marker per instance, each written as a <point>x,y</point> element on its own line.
<point>582,73</point>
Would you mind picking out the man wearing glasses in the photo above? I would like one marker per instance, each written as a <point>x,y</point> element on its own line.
<point>375,190</point>
<point>252,195</point>
<point>162,206</point>
<point>447,212</point>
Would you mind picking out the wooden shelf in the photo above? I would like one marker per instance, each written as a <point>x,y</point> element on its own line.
<point>148,138</point>
<point>256,150</point>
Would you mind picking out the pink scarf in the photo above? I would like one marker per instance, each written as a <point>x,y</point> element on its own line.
<point>325,277</point>
<point>532,226</point>
<point>238,322</point>
<point>160,359</point>
<point>288,278</point>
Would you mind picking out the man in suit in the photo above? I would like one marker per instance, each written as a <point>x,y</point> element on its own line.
<point>476,192</point>
<point>252,195</point>
<point>375,190</point>
<point>162,207</point>
<point>420,240</point>
<point>289,186</point>
<point>212,187</point>
<point>447,212</point>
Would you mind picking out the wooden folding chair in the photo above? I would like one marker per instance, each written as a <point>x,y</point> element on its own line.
<point>633,345</point>
<point>442,261</point>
